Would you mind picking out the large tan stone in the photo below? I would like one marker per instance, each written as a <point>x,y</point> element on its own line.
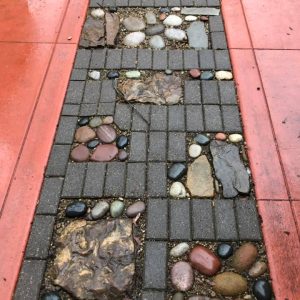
<point>95,260</point>
<point>199,178</point>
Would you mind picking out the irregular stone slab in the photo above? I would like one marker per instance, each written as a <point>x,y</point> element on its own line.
<point>229,284</point>
<point>95,260</point>
<point>134,24</point>
<point>93,33</point>
<point>229,169</point>
<point>104,153</point>
<point>199,178</point>
<point>206,11</point>
<point>175,34</point>
<point>159,89</point>
<point>197,36</point>
<point>112,28</point>
<point>134,39</point>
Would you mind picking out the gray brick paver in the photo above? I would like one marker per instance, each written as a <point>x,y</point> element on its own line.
<point>136,180</point>
<point>94,180</point>
<point>115,179</point>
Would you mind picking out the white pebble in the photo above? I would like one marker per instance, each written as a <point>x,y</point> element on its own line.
<point>179,249</point>
<point>195,150</point>
<point>172,20</point>
<point>133,74</point>
<point>235,138</point>
<point>190,18</point>
<point>223,75</point>
<point>97,13</point>
<point>175,9</point>
<point>175,34</point>
<point>94,75</point>
<point>177,190</point>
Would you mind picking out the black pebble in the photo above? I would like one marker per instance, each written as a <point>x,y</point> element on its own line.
<point>51,296</point>
<point>122,141</point>
<point>93,144</point>
<point>262,290</point>
<point>225,250</point>
<point>176,171</point>
<point>164,10</point>
<point>83,121</point>
<point>202,139</point>
<point>113,74</point>
<point>113,9</point>
<point>76,209</point>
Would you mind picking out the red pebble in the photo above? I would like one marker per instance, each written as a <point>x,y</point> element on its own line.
<point>195,73</point>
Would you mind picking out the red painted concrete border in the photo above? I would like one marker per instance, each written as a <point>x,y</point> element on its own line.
<point>24,187</point>
<point>267,86</point>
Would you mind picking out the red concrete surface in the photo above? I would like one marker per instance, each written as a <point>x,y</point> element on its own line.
<point>36,63</point>
<point>267,77</point>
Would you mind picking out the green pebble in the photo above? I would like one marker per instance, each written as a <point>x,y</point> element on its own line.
<point>133,74</point>
<point>116,208</point>
<point>178,296</point>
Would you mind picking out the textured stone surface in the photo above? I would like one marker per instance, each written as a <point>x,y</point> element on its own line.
<point>95,260</point>
<point>112,28</point>
<point>182,276</point>
<point>104,153</point>
<point>199,178</point>
<point>93,33</point>
<point>197,36</point>
<point>229,169</point>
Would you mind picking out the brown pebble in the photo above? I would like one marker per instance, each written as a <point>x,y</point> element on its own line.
<point>244,257</point>
<point>84,134</point>
<point>204,18</point>
<point>162,16</point>
<point>136,208</point>
<point>221,136</point>
<point>80,153</point>
<point>259,268</point>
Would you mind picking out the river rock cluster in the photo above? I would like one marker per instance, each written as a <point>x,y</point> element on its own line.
<point>152,28</point>
<point>197,178</point>
<point>226,268</point>
<point>97,139</point>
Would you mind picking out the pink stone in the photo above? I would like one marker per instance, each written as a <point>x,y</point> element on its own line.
<point>84,134</point>
<point>195,73</point>
<point>204,18</point>
<point>221,136</point>
<point>204,260</point>
<point>104,153</point>
<point>106,133</point>
<point>162,16</point>
<point>122,155</point>
<point>182,276</point>
<point>80,153</point>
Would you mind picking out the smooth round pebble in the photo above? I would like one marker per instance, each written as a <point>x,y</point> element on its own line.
<point>134,24</point>
<point>136,208</point>
<point>107,120</point>
<point>177,171</point>
<point>83,121</point>
<point>207,75</point>
<point>95,122</point>
<point>220,136</point>
<point>179,249</point>
<point>157,42</point>
<point>229,284</point>
<point>122,155</point>
<point>93,144</point>
<point>223,75</point>
<point>150,18</point>
<point>95,75</point>
<point>175,34</point>
<point>122,141</point>
<point>80,153</point>
<point>50,296</point>
<point>104,153</point>
<point>244,257</point>
<point>190,18</point>
<point>177,190</point>
<point>97,13</point>
<point>172,20</point>
<point>178,296</point>
<point>195,73</point>
<point>84,134</point>
<point>133,74</point>
<point>134,39</point>
<point>262,290</point>
<point>154,30</point>
<point>168,72</point>
<point>99,210</point>
<point>182,276</point>
<point>164,10</point>
<point>76,209</point>
<point>225,250</point>
<point>116,208</point>
<point>259,268</point>
<point>204,18</point>
<point>113,74</point>
<point>235,138</point>
<point>176,9</point>
<point>162,16</point>
<point>106,133</point>
<point>201,139</point>
<point>195,150</point>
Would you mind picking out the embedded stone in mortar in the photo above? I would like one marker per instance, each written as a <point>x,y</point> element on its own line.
<point>199,178</point>
<point>158,89</point>
<point>95,260</point>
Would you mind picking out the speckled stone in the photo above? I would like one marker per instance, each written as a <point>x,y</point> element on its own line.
<point>182,276</point>
<point>235,138</point>
<point>195,150</point>
<point>179,249</point>
<point>136,208</point>
<point>107,120</point>
<point>177,190</point>
<point>99,210</point>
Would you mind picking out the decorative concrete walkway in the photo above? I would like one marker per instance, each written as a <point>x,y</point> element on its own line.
<point>263,57</point>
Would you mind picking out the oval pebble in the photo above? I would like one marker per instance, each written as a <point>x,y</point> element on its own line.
<point>172,20</point>
<point>108,120</point>
<point>93,144</point>
<point>179,249</point>
<point>262,290</point>
<point>176,9</point>
<point>122,155</point>
<point>84,134</point>
<point>106,133</point>
<point>133,74</point>
<point>178,296</point>
<point>97,13</point>
<point>122,141</point>
<point>134,39</point>
<point>136,208</point>
<point>113,74</point>
<point>80,153</point>
<point>76,209</point>
<point>182,276</point>
<point>195,150</point>
<point>83,121</point>
<point>177,190</point>
<point>207,75</point>
<point>259,268</point>
<point>95,122</point>
<point>175,34</point>
<point>116,208</point>
<point>223,75</point>
<point>195,73</point>
<point>99,210</point>
<point>50,296</point>
<point>244,257</point>
<point>104,153</point>
<point>190,18</point>
<point>235,138</point>
<point>201,139</point>
<point>225,250</point>
<point>220,136</point>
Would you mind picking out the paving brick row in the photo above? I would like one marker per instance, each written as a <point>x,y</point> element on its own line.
<point>138,147</point>
<point>157,146</point>
<point>176,118</point>
<point>206,59</point>
<point>79,74</point>
<point>158,118</point>
<point>177,146</point>
<point>122,116</point>
<point>194,118</point>
<point>58,160</point>
<point>156,179</point>
<point>212,118</point>
<point>94,180</point>
<point>140,117</point>
<point>153,3</point>
<point>70,110</point>
<point>115,179</point>
<point>153,295</point>
<point>65,131</point>
<point>75,92</point>
<point>106,109</point>
<point>92,91</point>
<point>88,109</point>
<point>216,23</point>
<point>136,180</point>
